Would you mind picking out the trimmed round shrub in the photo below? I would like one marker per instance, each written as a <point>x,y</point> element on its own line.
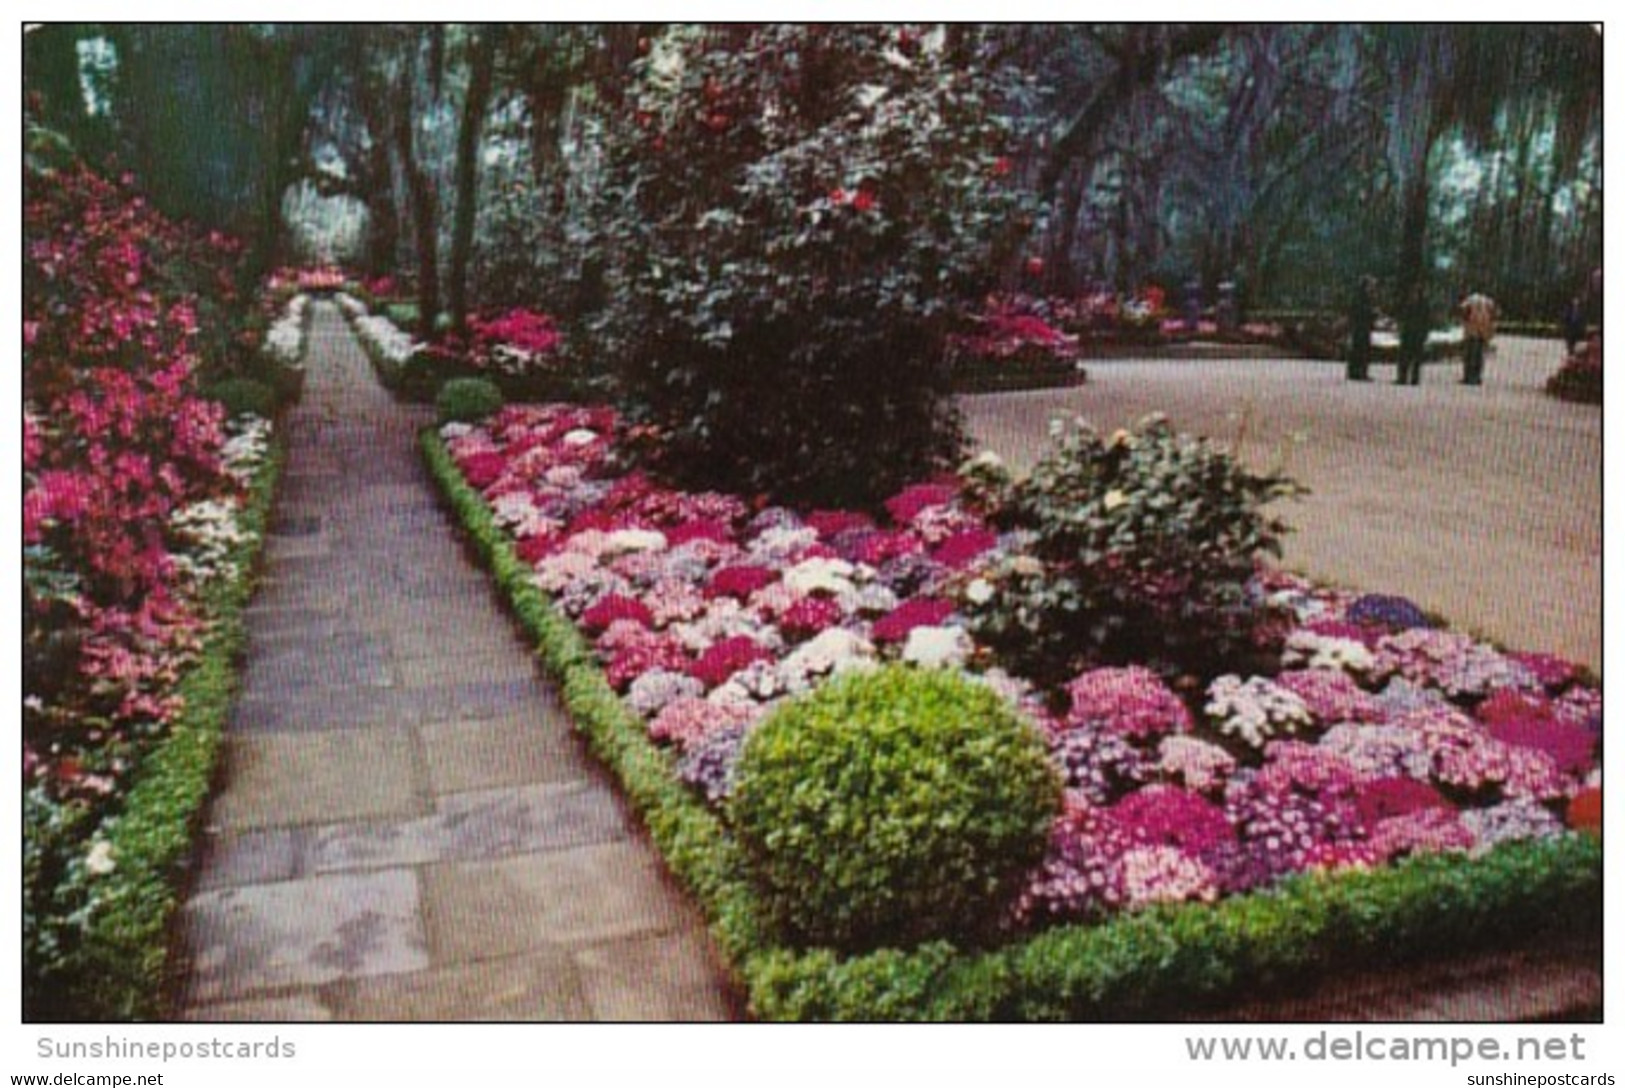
<point>892,807</point>
<point>242,396</point>
<point>467,400</point>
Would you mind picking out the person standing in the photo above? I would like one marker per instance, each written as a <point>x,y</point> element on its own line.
<point>1413,334</point>
<point>1478,327</point>
<point>1362,316</point>
<point>1574,324</point>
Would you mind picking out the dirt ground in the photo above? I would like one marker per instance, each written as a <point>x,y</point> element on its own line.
<point>1483,504</point>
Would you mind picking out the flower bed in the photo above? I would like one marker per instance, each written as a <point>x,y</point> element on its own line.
<point>285,343</point>
<point>141,510</point>
<point>1014,348</point>
<point>395,355</point>
<point>1299,799</point>
<point>1580,378</point>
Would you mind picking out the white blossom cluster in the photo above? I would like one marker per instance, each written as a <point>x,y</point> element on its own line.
<point>285,340</point>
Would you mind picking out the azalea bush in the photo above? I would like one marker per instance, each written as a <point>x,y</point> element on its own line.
<point>1136,548</point>
<point>792,212</point>
<point>1580,378</point>
<point>134,491</point>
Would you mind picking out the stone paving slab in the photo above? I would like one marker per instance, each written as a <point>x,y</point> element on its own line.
<point>474,826</point>
<point>349,659</point>
<point>301,1006</point>
<point>540,986</point>
<point>312,778</point>
<point>478,755</point>
<point>477,910</point>
<point>666,977</point>
<point>259,938</point>
<point>251,857</point>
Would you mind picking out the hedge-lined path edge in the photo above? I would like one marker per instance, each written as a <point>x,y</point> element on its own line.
<point>405,827</point>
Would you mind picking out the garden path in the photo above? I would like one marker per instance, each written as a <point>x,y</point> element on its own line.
<point>1483,504</point>
<point>407,829</point>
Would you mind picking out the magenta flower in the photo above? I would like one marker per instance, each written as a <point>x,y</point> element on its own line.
<point>959,550</point>
<point>727,657</point>
<point>613,607</point>
<point>740,582</point>
<point>895,625</point>
<point>909,503</point>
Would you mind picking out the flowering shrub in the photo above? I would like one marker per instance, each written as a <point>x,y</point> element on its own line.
<point>1255,709</point>
<point>1140,547</point>
<point>517,344</point>
<point>133,494</point>
<point>788,208</point>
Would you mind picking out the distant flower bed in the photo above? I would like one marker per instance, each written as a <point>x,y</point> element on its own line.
<point>1580,379</point>
<point>1376,738</point>
<point>285,340</point>
<point>323,279</point>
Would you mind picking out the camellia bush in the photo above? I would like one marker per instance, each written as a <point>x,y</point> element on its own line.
<point>792,212</point>
<point>1138,548</point>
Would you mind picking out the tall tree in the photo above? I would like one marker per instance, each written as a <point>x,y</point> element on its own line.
<point>482,66</point>
<point>421,195</point>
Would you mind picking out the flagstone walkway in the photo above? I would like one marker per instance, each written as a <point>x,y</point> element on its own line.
<point>406,829</point>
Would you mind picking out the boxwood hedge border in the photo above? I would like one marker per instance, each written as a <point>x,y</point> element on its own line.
<point>1157,964</point>
<point>121,969</point>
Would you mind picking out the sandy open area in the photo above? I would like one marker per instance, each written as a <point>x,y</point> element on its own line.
<point>1484,504</point>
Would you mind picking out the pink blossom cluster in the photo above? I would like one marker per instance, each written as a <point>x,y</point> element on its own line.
<point>705,610</point>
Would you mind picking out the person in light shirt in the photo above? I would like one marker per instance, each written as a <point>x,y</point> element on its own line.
<point>1478,328</point>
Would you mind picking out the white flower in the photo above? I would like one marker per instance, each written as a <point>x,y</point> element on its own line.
<point>979,592</point>
<point>581,436</point>
<point>99,862</point>
<point>831,576</point>
<point>932,647</point>
<point>986,459</point>
<point>1255,709</point>
<point>634,540</point>
<point>1114,498</point>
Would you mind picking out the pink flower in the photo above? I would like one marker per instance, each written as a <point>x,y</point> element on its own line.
<point>613,607</point>
<point>1131,701</point>
<point>909,503</point>
<point>740,582</point>
<point>895,625</point>
<point>727,657</point>
<point>961,549</point>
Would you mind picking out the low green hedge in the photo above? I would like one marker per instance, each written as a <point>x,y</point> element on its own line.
<point>1157,963</point>
<point>119,968</point>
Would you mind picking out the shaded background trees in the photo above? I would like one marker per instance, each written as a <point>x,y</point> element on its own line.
<point>1288,158</point>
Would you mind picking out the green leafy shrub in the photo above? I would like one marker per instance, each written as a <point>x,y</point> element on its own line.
<point>1140,546</point>
<point>793,213</point>
<point>892,807</point>
<point>467,400</point>
<point>242,396</point>
<point>403,314</point>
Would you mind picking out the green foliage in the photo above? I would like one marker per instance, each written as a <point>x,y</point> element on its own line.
<point>892,807</point>
<point>402,314</point>
<point>792,218</point>
<point>98,946</point>
<point>467,400</point>
<point>242,396</point>
<point>1143,541</point>
<point>1176,960</point>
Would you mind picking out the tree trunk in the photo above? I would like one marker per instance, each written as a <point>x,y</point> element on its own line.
<point>1410,277</point>
<point>482,62</point>
<point>422,198</point>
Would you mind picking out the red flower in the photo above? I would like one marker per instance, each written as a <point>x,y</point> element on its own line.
<point>865,201</point>
<point>1035,266</point>
<point>837,196</point>
<point>1001,166</point>
<point>716,122</point>
<point>1585,811</point>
